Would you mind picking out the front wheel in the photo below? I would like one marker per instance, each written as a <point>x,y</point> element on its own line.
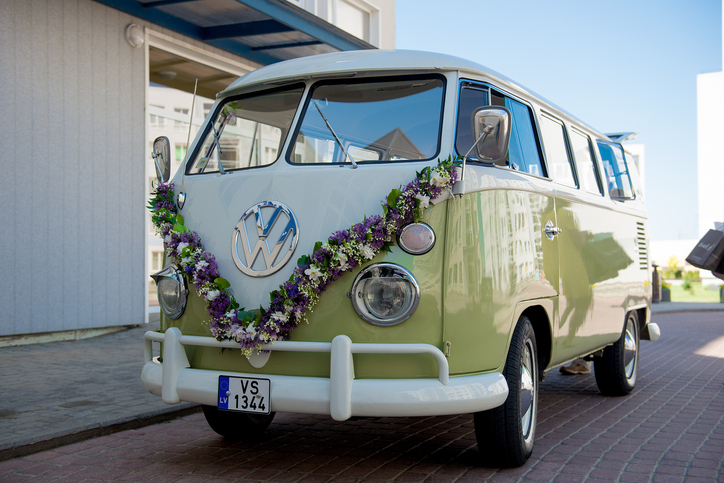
<point>505,434</point>
<point>617,368</point>
<point>237,425</point>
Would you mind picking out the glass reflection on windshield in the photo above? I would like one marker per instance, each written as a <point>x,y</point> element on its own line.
<point>374,121</point>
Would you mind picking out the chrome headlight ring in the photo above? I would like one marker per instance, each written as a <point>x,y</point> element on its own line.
<point>172,291</point>
<point>385,294</point>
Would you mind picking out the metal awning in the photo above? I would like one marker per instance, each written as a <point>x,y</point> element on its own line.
<point>264,31</point>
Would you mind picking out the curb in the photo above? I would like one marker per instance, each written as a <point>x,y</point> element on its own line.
<point>24,448</point>
<point>677,307</point>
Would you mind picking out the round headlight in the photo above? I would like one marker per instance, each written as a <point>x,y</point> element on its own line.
<point>416,238</point>
<point>171,290</point>
<point>385,294</point>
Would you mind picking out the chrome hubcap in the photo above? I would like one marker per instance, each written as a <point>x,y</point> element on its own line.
<point>630,348</point>
<point>527,391</point>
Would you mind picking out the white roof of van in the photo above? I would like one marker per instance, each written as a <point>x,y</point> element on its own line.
<point>361,61</point>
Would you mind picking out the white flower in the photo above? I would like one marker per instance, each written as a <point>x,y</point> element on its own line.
<point>200,265</point>
<point>229,314</point>
<point>280,316</point>
<point>367,252</point>
<point>439,178</point>
<point>167,239</point>
<point>424,201</point>
<point>187,261</point>
<point>250,331</point>
<point>237,333</point>
<point>343,265</point>
<point>435,178</point>
<point>212,294</point>
<point>181,246</point>
<point>313,272</point>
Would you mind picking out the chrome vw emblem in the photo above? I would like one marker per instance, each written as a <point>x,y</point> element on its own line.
<point>274,222</point>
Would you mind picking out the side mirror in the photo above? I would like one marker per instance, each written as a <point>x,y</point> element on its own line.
<point>162,158</point>
<point>491,129</point>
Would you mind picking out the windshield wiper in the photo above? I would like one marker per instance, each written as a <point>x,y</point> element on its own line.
<point>339,143</point>
<point>217,136</point>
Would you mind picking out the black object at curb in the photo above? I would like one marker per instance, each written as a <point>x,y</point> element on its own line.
<point>62,439</point>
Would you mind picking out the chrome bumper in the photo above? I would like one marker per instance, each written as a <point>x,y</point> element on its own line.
<point>341,395</point>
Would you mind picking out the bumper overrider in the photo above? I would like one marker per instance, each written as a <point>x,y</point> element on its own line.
<point>341,395</point>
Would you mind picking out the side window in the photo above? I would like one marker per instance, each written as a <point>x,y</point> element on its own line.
<point>523,153</point>
<point>471,98</point>
<point>587,170</point>
<point>616,170</point>
<point>559,162</point>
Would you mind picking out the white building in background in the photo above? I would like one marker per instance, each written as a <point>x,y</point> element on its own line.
<point>710,154</point>
<point>373,23</point>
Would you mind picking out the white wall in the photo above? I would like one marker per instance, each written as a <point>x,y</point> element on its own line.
<point>710,157</point>
<point>72,186</point>
<point>710,165</point>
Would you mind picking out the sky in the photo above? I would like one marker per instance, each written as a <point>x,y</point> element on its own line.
<point>619,66</point>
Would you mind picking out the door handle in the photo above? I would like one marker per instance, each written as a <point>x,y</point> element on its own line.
<point>551,231</point>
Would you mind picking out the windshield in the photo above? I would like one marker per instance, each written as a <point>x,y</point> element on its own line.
<point>247,131</point>
<point>374,121</point>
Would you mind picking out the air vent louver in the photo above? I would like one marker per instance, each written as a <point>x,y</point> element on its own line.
<point>643,246</point>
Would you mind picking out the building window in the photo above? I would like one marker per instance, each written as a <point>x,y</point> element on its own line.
<point>179,124</point>
<point>351,17</point>
<point>156,261</point>
<point>156,120</point>
<point>180,152</point>
<point>207,108</point>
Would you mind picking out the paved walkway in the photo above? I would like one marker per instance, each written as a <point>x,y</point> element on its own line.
<point>61,392</point>
<point>670,428</point>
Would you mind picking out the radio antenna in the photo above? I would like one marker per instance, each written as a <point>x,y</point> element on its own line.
<point>181,199</point>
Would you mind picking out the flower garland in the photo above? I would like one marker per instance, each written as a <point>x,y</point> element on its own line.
<point>289,304</point>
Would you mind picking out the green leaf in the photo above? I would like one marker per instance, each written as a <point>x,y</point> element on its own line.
<point>384,210</point>
<point>392,197</point>
<point>180,228</point>
<point>222,283</point>
<point>245,316</point>
<point>303,261</point>
<point>179,219</point>
<point>317,246</point>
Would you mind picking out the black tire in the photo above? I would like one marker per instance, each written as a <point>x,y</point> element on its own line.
<point>235,425</point>
<point>505,434</point>
<point>616,370</point>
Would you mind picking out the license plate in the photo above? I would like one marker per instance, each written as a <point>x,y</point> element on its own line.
<point>245,394</point>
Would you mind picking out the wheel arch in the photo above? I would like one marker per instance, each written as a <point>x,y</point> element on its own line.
<point>539,318</point>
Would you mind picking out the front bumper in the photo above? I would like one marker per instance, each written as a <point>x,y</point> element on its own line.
<point>341,395</point>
